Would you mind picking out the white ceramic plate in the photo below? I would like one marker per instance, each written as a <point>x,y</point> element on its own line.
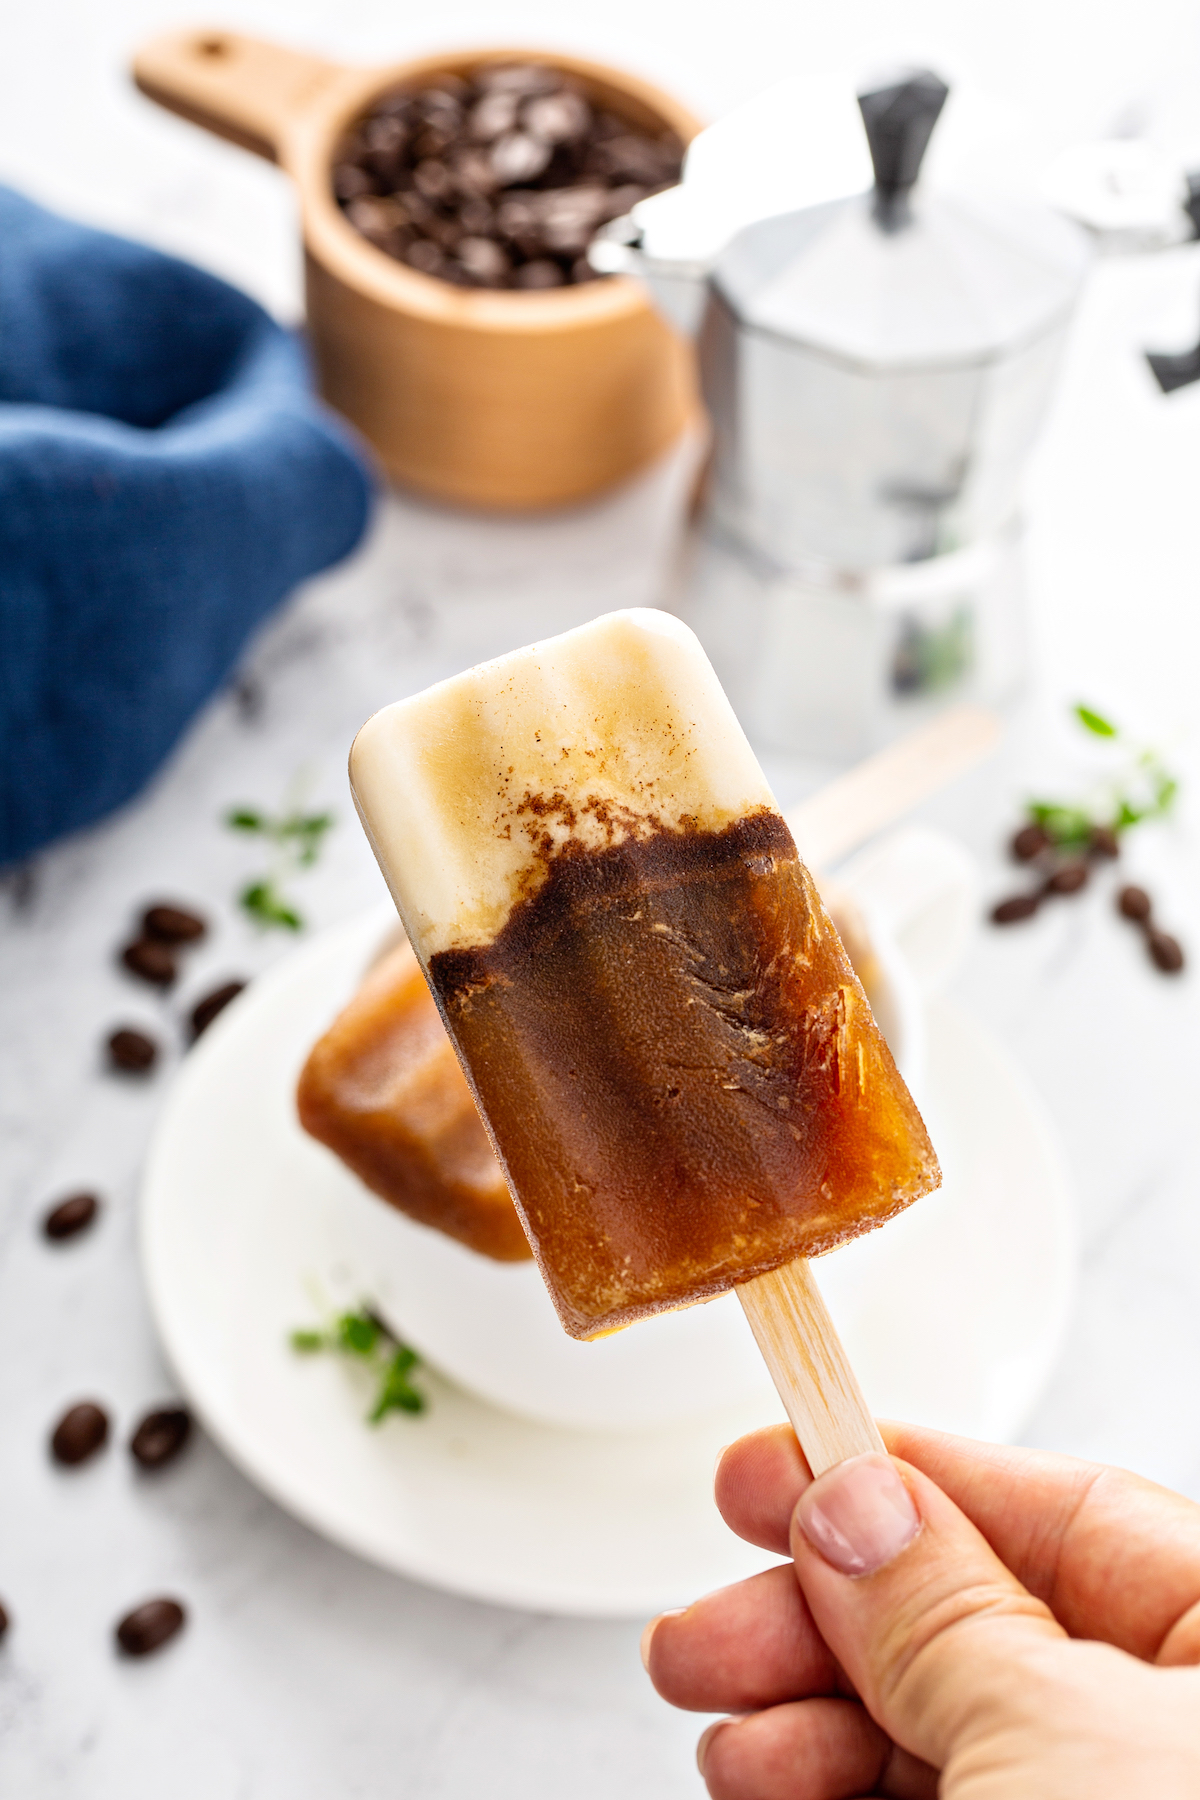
<point>952,1316</point>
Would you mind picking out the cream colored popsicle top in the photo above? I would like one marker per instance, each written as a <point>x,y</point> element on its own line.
<point>613,730</point>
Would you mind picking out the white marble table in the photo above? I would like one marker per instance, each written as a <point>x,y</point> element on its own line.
<point>304,1673</point>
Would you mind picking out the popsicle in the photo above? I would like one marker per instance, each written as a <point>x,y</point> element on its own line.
<point>383,1090</point>
<point>676,1064</point>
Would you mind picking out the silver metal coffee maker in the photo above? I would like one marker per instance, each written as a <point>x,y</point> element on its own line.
<point>875,367</point>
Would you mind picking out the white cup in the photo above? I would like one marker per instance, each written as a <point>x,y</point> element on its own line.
<point>490,1326</point>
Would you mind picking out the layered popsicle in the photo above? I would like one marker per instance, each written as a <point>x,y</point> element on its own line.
<point>677,1066</point>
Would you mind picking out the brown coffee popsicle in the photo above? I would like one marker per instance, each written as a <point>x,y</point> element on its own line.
<point>676,1064</point>
<point>383,1090</point>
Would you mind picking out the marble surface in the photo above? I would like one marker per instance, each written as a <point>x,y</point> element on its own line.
<point>303,1672</point>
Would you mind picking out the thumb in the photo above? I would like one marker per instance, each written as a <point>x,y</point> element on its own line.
<point>932,1629</point>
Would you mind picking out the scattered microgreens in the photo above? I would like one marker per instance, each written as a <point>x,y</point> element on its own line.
<point>363,1335</point>
<point>1144,789</point>
<point>297,839</point>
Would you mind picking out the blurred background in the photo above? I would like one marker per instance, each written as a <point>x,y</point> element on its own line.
<point>304,1669</point>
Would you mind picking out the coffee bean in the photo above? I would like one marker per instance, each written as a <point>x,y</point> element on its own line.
<point>433,180</point>
<point>557,118</point>
<point>629,158</point>
<point>1105,842</point>
<point>1134,903</point>
<point>1029,842</point>
<point>150,961</point>
<point>525,79</point>
<point>70,1216</point>
<point>519,221</point>
<point>82,1430</point>
<point>1166,952</point>
<point>622,200</point>
<point>385,140</point>
<point>483,259</point>
<point>432,141</point>
<point>377,219</point>
<point>447,91</point>
<point>474,177</point>
<point>477,219</point>
<point>570,217</point>
<point>149,1626</point>
<point>517,158</point>
<point>446,234</point>
<point>398,106</point>
<point>172,924</point>
<point>539,274</point>
<point>206,1010</point>
<point>492,116</point>
<point>1069,879</point>
<point>349,182</point>
<point>132,1051</point>
<point>1011,911</point>
<point>425,257</point>
<point>160,1436</point>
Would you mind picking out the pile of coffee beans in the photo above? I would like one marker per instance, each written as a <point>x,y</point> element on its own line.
<point>499,181</point>
<point>152,955</point>
<point>1064,871</point>
<point>83,1430</point>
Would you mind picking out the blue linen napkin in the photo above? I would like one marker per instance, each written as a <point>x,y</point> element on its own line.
<point>166,478</point>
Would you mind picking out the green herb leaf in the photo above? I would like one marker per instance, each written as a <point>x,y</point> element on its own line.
<point>396,1393</point>
<point>364,1335</point>
<point>1095,722</point>
<point>267,907</point>
<point>1143,789</point>
<point>244,818</point>
<point>306,831</point>
<point>1168,787</point>
<point>359,1333</point>
<point>308,1341</point>
<point>1066,826</point>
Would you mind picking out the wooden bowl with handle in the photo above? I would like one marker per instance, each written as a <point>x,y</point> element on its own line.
<point>496,399</point>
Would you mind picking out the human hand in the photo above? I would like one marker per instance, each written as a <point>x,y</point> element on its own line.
<point>974,1622</point>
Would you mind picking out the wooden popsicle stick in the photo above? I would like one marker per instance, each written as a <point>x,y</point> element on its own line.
<point>884,787</point>
<point>808,1365</point>
<point>786,1312</point>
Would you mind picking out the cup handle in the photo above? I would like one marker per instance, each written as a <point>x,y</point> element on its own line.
<point>924,889</point>
<point>237,87</point>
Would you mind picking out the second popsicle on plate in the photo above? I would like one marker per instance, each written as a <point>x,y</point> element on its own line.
<point>668,1045</point>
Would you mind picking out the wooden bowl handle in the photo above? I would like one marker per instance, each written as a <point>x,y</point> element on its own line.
<point>238,87</point>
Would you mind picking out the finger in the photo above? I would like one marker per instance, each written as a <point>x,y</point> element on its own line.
<point>1114,1557</point>
<point>758,1482</point>
<point>809,1750</point>
<point>740,1649</point>
<point>924,1618</point>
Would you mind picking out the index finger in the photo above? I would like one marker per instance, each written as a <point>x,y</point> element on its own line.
<point>1114,1557</point>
